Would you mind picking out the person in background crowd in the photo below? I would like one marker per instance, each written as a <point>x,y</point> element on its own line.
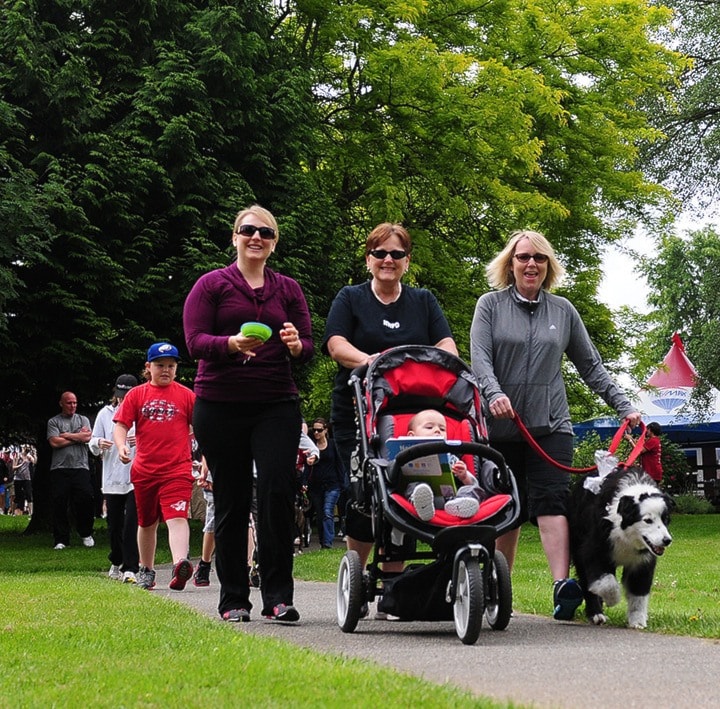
<point>23,469</point>
<point>7,475</point>
<point>520,333</point>
<point>117,487</point>
<point>201,577</point>
<point>650,456</point>
<point>326,481</point>
<point>68,434</point>
<point>3,483</point>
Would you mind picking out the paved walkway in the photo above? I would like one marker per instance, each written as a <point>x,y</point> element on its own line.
<point>536,661</point>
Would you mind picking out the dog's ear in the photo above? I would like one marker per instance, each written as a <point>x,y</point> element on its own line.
<point>670,502</point>
<point>629,511</point>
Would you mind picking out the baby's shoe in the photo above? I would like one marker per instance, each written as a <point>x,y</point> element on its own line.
<point>423,501</point>
<point>462,507</point>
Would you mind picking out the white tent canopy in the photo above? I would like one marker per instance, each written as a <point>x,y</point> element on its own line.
<point>665,399</point>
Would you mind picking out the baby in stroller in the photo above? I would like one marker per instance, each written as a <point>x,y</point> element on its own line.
<point>466,501</point>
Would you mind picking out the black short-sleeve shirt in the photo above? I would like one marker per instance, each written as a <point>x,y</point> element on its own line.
<point>415,318</point>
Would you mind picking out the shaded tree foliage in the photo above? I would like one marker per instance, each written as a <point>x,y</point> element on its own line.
<point>136,131</point>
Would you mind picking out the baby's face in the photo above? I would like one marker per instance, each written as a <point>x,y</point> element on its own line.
<point>431,425</point>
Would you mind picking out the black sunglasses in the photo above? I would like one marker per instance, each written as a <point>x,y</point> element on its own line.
<point>395,254</point>
<point>538,258</point>
<point>318,430</point>
<point>249,229</point>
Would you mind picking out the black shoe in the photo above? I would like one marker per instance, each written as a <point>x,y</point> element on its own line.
<point>236,615</point>
<point>567,596</point>
<point>284,613</point>
<point>201,577</point>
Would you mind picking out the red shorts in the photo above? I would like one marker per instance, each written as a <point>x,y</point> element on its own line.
<point>161,497</point>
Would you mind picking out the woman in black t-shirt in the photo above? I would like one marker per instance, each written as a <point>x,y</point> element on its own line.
<point>363,321</point>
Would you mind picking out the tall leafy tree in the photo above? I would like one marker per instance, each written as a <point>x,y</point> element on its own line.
<point>135,133</point>
<point>687,160</point>
<point>466,121</point>
<point>138,131</point>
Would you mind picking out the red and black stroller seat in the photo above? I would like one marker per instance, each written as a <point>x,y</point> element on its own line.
<point>405,380</point>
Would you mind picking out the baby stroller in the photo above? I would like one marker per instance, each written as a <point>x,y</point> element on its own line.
<point>461,577</point>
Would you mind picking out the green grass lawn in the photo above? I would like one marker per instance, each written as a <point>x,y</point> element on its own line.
<point>69,637</point>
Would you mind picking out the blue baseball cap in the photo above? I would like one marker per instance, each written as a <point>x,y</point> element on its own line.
<point>162,349</point>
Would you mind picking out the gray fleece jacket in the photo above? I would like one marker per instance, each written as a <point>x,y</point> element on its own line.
<point>517,349</point>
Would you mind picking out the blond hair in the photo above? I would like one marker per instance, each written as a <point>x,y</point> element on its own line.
<point>258,211</point>
<point>500,273</point>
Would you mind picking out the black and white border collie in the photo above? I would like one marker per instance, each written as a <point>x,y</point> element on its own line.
<point>624,524</point>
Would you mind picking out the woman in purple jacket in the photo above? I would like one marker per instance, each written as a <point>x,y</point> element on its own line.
<point>247,409</point>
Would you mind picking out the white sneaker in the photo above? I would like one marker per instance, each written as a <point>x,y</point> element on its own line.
<point>381,615</point>
<point>88,542</point>
<point>462,507</point>
<point>422,499</point>
<point>59,546</point>
<point>115,574</point>
<point>129,577</point>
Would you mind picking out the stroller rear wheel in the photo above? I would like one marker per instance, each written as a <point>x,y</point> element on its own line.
<point>498,609</point>
<point>349,591</point>
<point>469,599</point>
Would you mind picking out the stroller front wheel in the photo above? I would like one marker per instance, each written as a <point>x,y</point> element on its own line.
<point>498,609</point>
<point>469,599</point>
<point>349,591</point>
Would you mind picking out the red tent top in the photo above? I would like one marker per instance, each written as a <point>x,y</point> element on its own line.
<point>676,370</point>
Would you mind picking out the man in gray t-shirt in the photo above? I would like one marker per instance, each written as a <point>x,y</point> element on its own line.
<point>68,434</point>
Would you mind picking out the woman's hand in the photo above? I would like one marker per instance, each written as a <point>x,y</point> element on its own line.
<point>239,344</point>
<point>501,408</point>
<point>634,419</point>
<point>290,337</point>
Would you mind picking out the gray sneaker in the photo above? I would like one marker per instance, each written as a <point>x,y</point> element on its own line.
<point>145,578</point>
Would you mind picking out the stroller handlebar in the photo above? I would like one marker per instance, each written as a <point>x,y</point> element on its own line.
<point>358,373</point>
<point>455,447</point>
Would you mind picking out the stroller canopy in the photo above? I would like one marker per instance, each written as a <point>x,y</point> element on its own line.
<point>415,377</point>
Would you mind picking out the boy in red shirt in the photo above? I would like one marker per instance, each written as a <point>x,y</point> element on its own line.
<point>161,473</point>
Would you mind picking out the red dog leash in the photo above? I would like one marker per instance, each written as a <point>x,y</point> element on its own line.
<point>584,471</point>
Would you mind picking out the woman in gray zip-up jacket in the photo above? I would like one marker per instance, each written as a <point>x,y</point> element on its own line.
<point>518,337</point>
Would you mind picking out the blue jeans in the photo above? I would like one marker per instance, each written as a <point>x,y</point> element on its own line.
<point>324,502</point>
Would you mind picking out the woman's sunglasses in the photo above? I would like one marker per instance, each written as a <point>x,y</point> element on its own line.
<point>538,258</point>
<point>249,229</point>
<point>395,254</point>
<point>318,430</point>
